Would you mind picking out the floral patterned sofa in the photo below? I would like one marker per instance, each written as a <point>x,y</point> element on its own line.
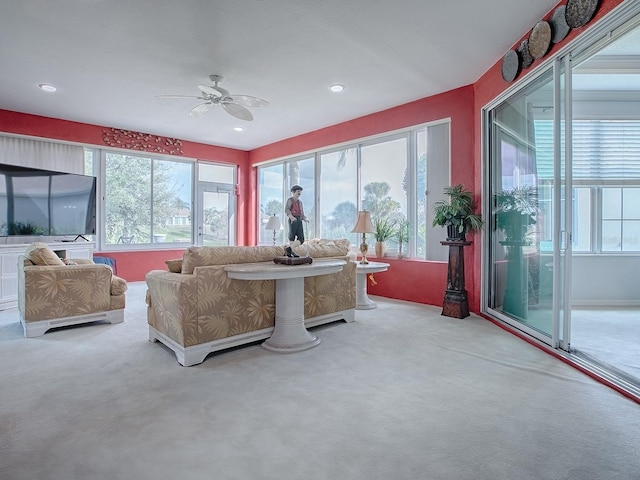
<point>195,309</point>
<point>53,292</point>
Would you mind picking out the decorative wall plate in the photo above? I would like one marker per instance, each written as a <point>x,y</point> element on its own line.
<point>558,22</point>
<point>579,12</point>
<point>510,65</point>
<point>540,39</point>
<point>525,56</point>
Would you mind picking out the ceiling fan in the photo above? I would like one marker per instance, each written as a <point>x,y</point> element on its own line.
<point>216,95</point>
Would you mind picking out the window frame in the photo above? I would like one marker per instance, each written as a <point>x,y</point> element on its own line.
<point>411,213</point>
<point>95,164</point>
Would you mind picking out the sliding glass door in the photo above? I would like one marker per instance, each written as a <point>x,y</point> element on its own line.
<point>562,202</point>
<point>527,229</point>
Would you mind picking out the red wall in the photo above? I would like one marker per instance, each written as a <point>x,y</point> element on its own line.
<point>491,84</point>
<point>34,125</point>
<point>132,266</point>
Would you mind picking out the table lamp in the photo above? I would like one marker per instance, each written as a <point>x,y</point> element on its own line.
<point>364,226</point>
<point>273,224</point>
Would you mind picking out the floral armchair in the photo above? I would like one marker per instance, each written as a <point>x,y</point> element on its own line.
<point>53,292</point>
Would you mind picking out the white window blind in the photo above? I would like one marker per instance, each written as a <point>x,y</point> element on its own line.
<point>602,149</point>
<point>41,154</point>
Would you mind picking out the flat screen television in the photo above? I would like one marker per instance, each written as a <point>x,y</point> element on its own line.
<point>44,202</point>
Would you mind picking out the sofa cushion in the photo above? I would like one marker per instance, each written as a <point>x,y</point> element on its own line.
<point>336,248</point>
<point>228,255</point>
<point>118,285</point>
<point>40,254</point>
<point>175,265</point>
<point>206,256</point>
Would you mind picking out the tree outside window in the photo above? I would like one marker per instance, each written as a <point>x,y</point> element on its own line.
<point>147,200</point>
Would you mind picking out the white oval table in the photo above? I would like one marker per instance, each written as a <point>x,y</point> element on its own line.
<point>363,302</point>
<point>289,333</point>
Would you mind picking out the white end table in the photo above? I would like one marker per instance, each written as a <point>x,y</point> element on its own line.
<point>363,302</point>
<point>289,334</point>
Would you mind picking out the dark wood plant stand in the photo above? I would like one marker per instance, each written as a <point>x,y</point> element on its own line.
<point>456,303</point>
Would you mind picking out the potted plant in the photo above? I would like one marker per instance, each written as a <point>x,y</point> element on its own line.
<point>402,235</point>
<point>516,210</point>
<point>457,213</point>
<point>385,229</point>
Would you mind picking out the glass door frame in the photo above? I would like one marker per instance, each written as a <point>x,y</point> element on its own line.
<point>558,335</point>
<point>202,188</point>
<point>562,251</point>
<point>614,25</point>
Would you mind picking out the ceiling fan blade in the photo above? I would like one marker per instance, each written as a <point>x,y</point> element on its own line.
<point>237,111</point>
<point>200,109</point>
<point>179,96</point>
<point>213,90</point>
<point>248,101</point>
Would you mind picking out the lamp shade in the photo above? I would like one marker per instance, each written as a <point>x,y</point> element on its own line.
<point>273,223</point>
<point>364,225</point>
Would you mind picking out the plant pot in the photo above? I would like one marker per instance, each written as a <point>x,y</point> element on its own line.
<point>381,249</point>
<point>453,234</point>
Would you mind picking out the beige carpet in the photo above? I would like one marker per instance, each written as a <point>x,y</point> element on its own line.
<point>401,393</point>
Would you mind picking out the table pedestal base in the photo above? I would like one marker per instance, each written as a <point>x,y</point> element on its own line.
<point>363,302</point>
<point>289,334</point>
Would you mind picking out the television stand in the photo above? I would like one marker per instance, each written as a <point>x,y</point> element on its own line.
<point>77,237</point>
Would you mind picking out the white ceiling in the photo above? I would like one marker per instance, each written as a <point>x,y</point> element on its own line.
<point>109,58</point>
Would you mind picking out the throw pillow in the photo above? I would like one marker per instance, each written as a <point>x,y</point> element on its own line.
<point>174,266</point>
<point>40,254</point>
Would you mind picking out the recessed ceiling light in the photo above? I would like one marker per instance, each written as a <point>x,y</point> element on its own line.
<point>238,129</point>
<point>47,87</point>
<point>336,87</point>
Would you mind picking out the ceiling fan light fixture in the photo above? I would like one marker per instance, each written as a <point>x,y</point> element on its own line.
<point>336,88</point>
<point>239,129</point>
<point>214,95</point>
<point>47,87</point>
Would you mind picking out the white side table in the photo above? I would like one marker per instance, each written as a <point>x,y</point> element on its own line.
<point>289,334</point>
<point>363,302</point>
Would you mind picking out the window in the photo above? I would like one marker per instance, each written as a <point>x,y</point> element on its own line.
<point>606,177</point>
<point>581,238</point>
<point>302,172</point>
<point>270,194</point>
<point>620,219</point>
<point>388,175</point>
<point>147,200</point>
<point>383,190</point>
<point>338,193</point>
<point>216,202</point>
